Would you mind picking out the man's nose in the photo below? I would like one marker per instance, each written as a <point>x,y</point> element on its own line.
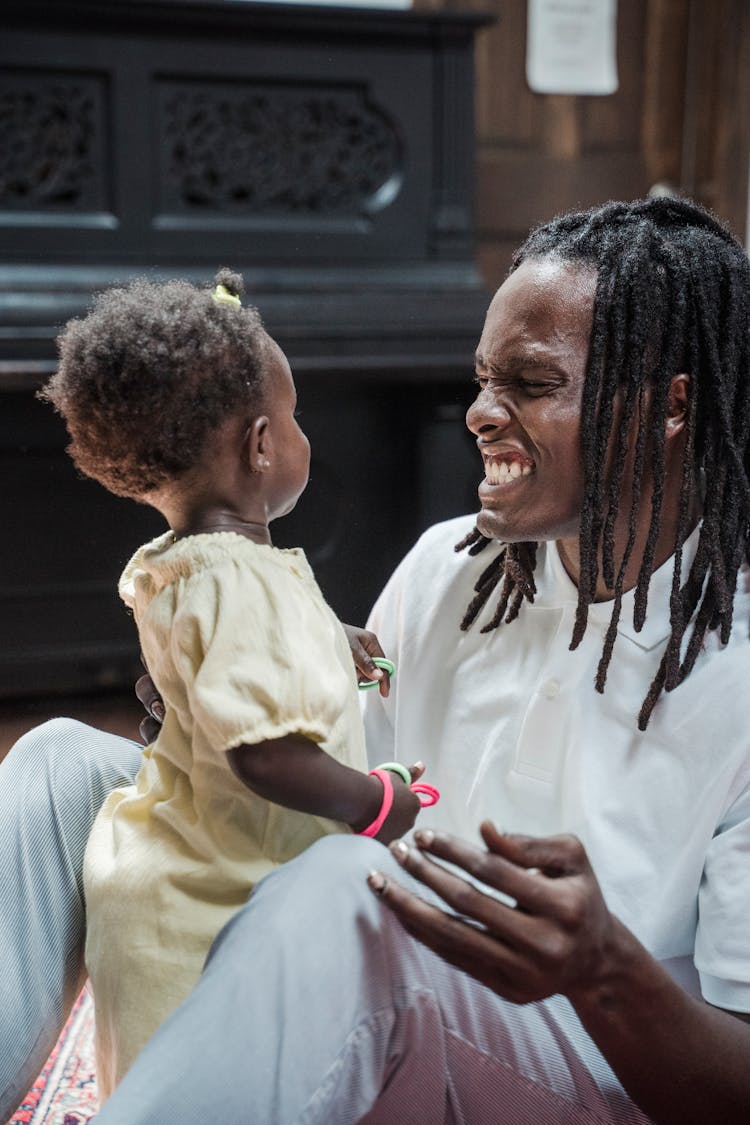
<point>487,412</point>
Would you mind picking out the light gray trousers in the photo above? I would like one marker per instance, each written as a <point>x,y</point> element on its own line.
<point>314,1005</point>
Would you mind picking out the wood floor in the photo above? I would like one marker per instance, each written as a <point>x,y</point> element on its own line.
<point>119,713</point>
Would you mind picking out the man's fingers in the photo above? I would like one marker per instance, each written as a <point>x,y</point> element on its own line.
<point>553,855</point>
<point>149,730</point>
<point>484,956</point>
<point>507,873</point>
<point>519,971</point>
<point>150,698</point>
<point>452,938</point>
<point>463,897</point>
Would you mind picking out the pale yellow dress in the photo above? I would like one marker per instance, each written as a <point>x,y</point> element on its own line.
<point>243,648</point>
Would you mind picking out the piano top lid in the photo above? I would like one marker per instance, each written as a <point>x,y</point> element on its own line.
<point>317,20</point>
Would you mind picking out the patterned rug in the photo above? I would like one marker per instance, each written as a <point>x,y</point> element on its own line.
<point>65,1092</point>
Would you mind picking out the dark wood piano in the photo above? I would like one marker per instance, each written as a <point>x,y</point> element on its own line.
<point>325,153</point>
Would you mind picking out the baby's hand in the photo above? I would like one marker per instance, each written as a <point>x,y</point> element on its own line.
<point>365,645</point>
<point>405,808</point>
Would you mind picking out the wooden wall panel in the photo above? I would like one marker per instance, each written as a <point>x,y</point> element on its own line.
<point>717,128</point>
<point>680,120</point>
<point>664,77</point>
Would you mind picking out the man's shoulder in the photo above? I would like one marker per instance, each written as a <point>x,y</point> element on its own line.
<point>434,557</point>
<point>447,534</point>
<point>432,568</point>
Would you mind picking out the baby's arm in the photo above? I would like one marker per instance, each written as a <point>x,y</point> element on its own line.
<point>294,772</point>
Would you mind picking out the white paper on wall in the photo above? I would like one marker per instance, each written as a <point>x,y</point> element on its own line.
<point>571,46</point>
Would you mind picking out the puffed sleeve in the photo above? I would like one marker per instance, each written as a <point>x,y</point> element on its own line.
<point>722,947</point>
<point>256,651</point>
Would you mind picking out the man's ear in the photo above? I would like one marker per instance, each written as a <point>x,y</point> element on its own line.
<point>258,445</point>
<point>678,398</point>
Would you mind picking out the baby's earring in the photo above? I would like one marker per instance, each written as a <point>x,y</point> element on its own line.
<point>262,465</point>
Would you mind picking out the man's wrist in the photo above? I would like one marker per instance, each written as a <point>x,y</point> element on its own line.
<point>626,983</point>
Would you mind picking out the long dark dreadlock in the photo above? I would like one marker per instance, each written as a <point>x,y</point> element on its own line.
<point>672,294</point>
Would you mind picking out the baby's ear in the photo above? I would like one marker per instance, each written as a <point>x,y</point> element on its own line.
<point>678,398</point>
<point>258,444</point>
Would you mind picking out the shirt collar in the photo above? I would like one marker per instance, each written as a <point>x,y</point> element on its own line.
<point>556,589</point>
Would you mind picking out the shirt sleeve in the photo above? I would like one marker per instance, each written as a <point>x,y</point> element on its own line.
<point>722,947</point>
<point>405,622</point>
<point>256,652</point>
<point>378,713</point>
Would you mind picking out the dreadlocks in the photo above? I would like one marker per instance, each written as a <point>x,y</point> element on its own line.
<point>672,294</point>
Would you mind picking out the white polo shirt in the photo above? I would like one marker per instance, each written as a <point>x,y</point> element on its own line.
<point>511,728</point>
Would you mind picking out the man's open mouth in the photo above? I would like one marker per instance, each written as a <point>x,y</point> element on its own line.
<point>505,471</point>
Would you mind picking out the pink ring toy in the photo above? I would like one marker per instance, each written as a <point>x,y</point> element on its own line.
<point>428,794</point>
<point>385,780</point>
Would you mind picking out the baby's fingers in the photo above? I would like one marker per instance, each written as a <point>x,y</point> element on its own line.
<point>376,669</point>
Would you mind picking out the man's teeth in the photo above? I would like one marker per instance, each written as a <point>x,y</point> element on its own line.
<point>502,472</point>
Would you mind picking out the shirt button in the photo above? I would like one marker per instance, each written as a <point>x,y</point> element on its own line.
<point>551,689</point>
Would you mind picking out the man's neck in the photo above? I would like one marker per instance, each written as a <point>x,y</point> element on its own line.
<point>570,555</point>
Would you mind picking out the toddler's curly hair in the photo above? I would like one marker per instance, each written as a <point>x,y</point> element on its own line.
<point>149,373</point>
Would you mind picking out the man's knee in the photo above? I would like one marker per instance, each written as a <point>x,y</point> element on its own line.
<point>334,867</point>
<point>59,748</point>
<point>39,757</point>
<point>326,885</point>
<point>345,856</point>
<point>56,777</point>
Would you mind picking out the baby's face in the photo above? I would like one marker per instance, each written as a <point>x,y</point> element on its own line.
<point>289,451</point>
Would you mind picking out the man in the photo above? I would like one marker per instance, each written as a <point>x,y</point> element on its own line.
<point>600,937</point>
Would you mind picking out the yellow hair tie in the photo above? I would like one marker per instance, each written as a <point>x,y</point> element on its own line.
<point>222,296</point>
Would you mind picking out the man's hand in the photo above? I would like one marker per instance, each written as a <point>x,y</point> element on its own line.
<point>553,937</point>
<point>365,645</point>
<point>678,1058</point>
<point>149,697</point>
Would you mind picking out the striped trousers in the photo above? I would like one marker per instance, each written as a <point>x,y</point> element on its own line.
<point>314,1005</point>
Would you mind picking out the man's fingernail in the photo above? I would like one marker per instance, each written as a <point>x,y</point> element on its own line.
<point>376,880</point>
<point>424,837</point>
<point>157,710</point>
<point>399,850</point>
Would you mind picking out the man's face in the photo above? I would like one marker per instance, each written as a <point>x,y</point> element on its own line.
<point>530,364</point>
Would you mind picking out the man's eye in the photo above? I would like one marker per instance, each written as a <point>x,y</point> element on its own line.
<point>535,389</point>
<point>481,381</point>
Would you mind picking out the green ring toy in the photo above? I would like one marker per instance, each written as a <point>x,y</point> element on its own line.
<point>379,662</point>
<point>397,767</point>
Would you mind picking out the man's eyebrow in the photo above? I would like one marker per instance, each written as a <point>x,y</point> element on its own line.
<point>511,364</point>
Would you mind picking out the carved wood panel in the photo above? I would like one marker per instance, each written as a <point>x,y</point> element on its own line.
<point>273,148</point>
<point>53,150</point>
